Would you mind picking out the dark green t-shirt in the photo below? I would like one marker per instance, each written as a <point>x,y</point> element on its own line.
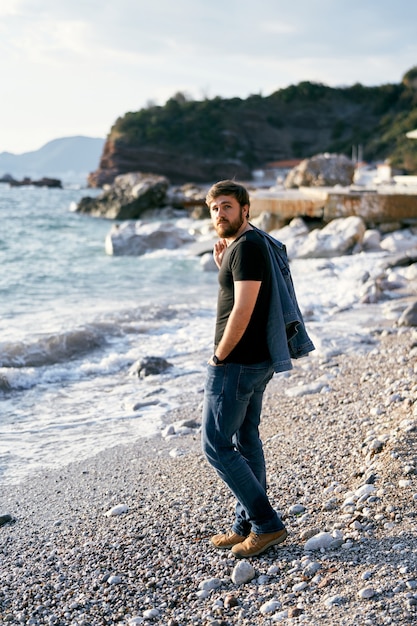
<point>245,259</point>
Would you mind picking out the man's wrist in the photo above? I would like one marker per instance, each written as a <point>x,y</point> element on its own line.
<point>216,360</point>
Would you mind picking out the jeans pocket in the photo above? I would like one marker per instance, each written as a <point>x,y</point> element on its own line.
<point>252,379</point>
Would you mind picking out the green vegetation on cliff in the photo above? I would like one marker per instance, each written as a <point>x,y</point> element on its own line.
<point>296,122</point>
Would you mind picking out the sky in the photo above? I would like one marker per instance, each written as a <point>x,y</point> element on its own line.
<point>72,67</point>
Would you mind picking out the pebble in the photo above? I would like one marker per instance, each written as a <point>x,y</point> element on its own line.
<point>296,509</point>
<point>270,607</point>
<point>280,616</point>
<point>114,580</point>
<point>334,600</point>
<point>404,483</point>
<point>311,568</point>
<point>210,583</point>
<point>118,509</point>
<point>366,592</point>
<point>299,587</point>
<point>324,541</point>
<point>243,572</point>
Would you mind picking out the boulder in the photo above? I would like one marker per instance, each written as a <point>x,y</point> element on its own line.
<point>339,237</point>
<point>292,235</point>
<point>371,240</point>
<point>322,170</point>
<point>150,366</point>
<point>137,238</point>
<point>400,241</point>
<point>409,316</point>
<point>207,263</point>
<point>128,197</point>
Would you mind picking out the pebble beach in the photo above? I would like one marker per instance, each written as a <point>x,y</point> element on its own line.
<point>123,537</point>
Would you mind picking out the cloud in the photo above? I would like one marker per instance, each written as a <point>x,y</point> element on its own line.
<point>75,65</point>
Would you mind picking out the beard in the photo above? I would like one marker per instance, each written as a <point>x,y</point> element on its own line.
<point>227,228</point>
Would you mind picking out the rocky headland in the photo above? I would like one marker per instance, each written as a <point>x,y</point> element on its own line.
<point>211,139</point>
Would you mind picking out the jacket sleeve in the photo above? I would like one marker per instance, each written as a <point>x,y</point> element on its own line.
<point>286,333</point>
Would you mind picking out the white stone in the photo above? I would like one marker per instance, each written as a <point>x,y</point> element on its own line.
<point>299,587</point>
<point>311,568</point>
<point>404,482</point>
<point>210,583</point>
<point>356,525</point>
<point>168,431</point>
<point>408,425</point>
<point>296,509</point>
<point>270,607</point>
<point>263,579</point>
<point>334,601</point>
<point>304,390</point>
<point>324,540</point>
<point>376,445</point>
<point>364,490</point>
<point>151,613</point>
<point>118,509</point>
<point>281,616</point>
<point>243,572</point>
<point>135,620</point>
<point>366,592</point>
<point>114,580</point>
<point>176,452</point>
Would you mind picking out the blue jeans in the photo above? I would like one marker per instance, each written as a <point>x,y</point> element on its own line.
<point>231,443</point>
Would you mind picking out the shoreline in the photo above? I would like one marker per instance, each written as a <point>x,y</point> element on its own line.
<point>330,427</point>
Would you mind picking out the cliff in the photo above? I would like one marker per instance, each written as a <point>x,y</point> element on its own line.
<point>202,141</point>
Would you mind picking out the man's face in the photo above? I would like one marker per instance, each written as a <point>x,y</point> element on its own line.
<point>227,215</point>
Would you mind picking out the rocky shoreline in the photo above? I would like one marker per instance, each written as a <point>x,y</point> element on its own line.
<point>123,537</point>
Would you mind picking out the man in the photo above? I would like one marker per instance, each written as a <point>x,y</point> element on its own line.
<point>239,371</point>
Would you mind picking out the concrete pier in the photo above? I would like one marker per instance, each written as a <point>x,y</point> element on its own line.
<point>375,206</point>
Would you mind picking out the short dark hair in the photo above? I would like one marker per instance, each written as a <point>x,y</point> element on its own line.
<point>228,188</point>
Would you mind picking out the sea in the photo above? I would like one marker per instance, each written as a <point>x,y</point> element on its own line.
<point>75,322</point>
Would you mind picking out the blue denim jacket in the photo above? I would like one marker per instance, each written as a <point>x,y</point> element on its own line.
<point>286,334</point>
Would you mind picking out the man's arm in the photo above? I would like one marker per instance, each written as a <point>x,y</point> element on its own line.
<point>246,294</point>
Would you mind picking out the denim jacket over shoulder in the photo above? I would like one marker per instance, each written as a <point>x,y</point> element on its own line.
<point>286,334</point>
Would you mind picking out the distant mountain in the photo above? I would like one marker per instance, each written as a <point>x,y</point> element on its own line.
<point>68,158</point>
